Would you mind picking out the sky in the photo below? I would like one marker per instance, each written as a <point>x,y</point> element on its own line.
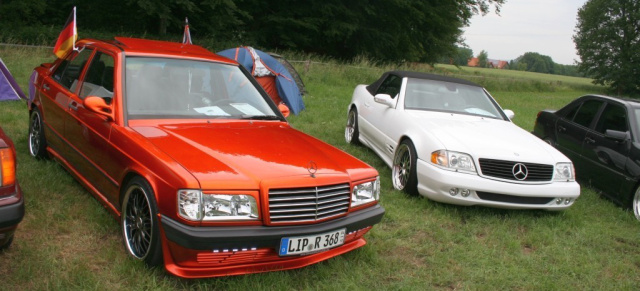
<point>541,26</point>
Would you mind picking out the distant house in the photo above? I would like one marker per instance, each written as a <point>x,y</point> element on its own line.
<point>496,64</point>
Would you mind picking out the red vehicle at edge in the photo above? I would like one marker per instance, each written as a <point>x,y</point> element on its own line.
<point>198,164</point>
<point>11,200</point>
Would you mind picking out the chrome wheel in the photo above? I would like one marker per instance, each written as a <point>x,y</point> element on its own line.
<point>351,132</point>
<point>137,222</point>
<point>401,167</point>
<point>35,134</point>
<point>635,204</point>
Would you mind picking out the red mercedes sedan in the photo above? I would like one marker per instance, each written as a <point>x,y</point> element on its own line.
<point>199,165</point>
<point>11,200</point>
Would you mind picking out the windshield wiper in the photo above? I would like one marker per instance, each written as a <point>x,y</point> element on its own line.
<point>261,117</point>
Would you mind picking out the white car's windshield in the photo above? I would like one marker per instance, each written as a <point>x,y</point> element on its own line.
<point>178,88</point>
<point>433,95</point>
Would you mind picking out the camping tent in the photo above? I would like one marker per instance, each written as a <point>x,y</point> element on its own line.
<point>9,89</point>
<point>271,74</point>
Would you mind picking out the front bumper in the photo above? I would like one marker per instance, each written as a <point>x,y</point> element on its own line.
<point>196,252</point>
<point>11,213</point>
<point>435,184</point>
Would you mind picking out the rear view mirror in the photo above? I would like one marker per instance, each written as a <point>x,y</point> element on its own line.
<point>510,114</point>
<point>98,105</point>
<point>384,99</point>
<point>284,109</point>
<point>616,135</point>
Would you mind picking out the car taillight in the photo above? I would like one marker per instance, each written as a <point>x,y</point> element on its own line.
<point>8,168</point>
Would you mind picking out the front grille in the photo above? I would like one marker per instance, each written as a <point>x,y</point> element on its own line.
<point>308,204</point>
<point>513,199</point>
<point>504,170</point>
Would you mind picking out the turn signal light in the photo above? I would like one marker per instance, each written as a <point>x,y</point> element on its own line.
<point>8,169</point>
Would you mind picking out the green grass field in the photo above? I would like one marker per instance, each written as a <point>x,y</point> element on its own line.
<point>68,241</point>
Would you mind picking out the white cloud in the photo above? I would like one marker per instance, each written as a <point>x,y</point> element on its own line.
<point>542,26</point>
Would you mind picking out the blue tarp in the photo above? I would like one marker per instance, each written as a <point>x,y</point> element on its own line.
<point>285,84</point>
<point>9,89</point>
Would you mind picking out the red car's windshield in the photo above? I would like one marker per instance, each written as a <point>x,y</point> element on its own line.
<point>178,88</point>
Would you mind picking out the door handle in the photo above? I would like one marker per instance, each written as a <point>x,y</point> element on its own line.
<point>73,106</point>
<point>589,140</point>
<point>46,87</point>
<point>561,128</point>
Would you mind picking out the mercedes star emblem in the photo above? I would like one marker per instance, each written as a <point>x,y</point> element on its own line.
<point>520,171</point>
<point>312,168</point>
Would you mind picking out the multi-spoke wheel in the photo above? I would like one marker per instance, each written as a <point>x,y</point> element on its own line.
<point>139,222</point>
<point>37,142</point>
<point>351,132</point>
<point>635,203</point>
<point>403,173</point>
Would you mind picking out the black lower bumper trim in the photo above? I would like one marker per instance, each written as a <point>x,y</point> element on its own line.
<point>207,238</point>
<point>12,214</point>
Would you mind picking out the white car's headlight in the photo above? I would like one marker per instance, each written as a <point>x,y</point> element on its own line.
<point>195,205</point>
<point>365,192</point>
<point>564,172</point>
<point>453,160</point>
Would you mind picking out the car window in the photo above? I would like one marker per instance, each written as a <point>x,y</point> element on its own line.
<point>180,88</point>
<point>391,85</point>
<point>68,72</point>
<point>613,117</point>
<point>434,95</point>
<point>587,112</point>
<point>99,78</point>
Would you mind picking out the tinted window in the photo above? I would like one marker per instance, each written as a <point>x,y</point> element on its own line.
<point>613,117</point>
<point>587,112</point>
<point>68,72</point>
<point>390,86</point>
<point>99,78</point>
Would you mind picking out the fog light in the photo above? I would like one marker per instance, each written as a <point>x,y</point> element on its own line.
<point>453,191</point>
<point>559,201</point>
<point>567,201</point>
<point>465,192</point>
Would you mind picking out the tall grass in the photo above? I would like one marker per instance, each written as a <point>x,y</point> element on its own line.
<point>68,241</point>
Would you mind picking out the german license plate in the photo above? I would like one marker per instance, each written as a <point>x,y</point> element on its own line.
<point>311,243</point>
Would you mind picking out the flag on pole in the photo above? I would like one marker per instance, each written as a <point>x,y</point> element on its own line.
<point>186,37</point>
<point>68,36</point>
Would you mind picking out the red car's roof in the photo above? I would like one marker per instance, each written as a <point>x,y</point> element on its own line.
<point>156,47</point>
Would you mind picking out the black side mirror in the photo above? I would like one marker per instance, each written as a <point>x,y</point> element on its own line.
<point>616,135</point>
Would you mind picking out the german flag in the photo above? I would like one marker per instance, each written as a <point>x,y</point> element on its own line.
<point>67,38</point>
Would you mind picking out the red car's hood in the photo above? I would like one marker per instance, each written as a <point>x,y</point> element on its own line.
<point>242,154</point>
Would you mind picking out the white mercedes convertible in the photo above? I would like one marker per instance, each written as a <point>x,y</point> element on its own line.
<point>447,139</point>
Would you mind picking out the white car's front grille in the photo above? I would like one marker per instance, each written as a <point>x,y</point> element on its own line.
<point>516,171</point>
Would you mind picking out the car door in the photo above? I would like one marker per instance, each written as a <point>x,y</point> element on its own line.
<point>55,92</point>
<point>379,118</point>
<point>606,158</point>
<point>87,131</point>
<point>572,129</point>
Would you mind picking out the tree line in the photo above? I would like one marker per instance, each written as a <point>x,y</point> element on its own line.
<point>381,30</point>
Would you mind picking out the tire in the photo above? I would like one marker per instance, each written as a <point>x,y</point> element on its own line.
<point>403,171</point>
<point>37,141</point>
<point>550,141</point>
<point>139,223</point>
<point>351,132</point>
<point>635,203</point>
<point>7,244</point>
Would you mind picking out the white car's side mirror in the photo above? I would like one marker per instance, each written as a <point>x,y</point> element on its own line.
<point>509,113</point>
<point>384,99</point>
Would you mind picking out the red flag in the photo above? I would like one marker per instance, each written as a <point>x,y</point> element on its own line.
<point>67,38</point>
<point>186,37</point>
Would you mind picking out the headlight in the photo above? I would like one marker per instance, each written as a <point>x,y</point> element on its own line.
<point>195,205</point>
<point>564,172</point>
<point>453,160</point>
<point>365,192</point>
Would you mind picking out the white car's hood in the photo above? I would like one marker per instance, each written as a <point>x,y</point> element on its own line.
<point>486,138</point>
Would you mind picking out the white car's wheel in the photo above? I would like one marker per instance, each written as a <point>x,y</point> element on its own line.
<point>351,132</point>
<point>635,203</point>
<point>403,173</point>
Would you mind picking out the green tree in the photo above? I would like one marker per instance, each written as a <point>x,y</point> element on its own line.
<point>483,59</point>
<point>608,42</point>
